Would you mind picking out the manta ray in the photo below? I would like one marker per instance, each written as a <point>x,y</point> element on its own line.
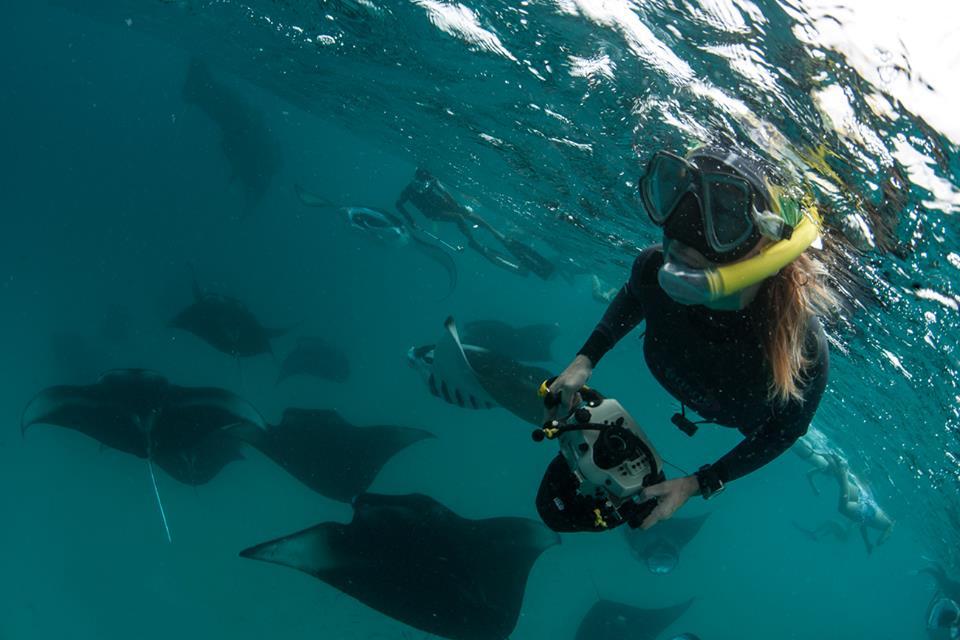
<point>390,229</point>
<point>226,324</point>
<point>141,413</point>
<point>659,548</point>
<point>415,560</point>
<point>246,141</point>
<point>315,358</point>
<point>326,453</point>
<point>531,343</point>
<point>609,620</point>
<point>473,377</point>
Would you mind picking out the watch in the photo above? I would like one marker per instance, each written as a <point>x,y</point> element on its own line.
<point>710,483</point>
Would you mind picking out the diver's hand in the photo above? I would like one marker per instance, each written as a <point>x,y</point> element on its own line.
<point>671,494</point>
<point>569,383</point>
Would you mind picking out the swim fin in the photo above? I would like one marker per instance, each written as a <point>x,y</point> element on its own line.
<point>529,258</point>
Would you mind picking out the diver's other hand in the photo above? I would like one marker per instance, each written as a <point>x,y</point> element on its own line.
<point>569,383</point>
<point>670,495</point>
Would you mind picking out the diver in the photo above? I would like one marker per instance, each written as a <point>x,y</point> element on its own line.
<point>858,505</point>
<point>731,304</point>
<point>435,203</point>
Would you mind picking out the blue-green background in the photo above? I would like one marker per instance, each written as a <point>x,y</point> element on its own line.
<point>110,186</point>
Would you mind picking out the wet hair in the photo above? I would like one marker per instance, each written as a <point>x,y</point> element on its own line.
<point>794,296</point>
<point>422,174</point>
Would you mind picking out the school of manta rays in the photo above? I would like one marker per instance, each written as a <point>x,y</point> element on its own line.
<point>470,574</point>
<point>193,433</point>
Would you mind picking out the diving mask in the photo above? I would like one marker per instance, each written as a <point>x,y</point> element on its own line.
<point>715,201</point>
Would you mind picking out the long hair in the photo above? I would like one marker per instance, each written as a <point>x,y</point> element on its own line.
<point>794,296</point>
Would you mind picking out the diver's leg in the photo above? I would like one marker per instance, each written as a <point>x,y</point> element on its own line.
<point>468,234</point>
<point>486,252</point>
<point>865,534</point>
<point>470,216</point>
<point>885,524</point>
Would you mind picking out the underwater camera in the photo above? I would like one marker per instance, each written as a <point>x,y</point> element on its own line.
<point>608,454</point>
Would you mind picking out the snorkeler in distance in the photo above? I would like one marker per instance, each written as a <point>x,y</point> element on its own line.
<point>858,505</point>
<point>731,304</point>
<point>435,202</point>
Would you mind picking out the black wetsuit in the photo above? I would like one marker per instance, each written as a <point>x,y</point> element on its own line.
<point>711,361</point>
<point>433,201</point>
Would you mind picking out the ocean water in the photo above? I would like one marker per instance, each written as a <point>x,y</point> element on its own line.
<point>540,115</point>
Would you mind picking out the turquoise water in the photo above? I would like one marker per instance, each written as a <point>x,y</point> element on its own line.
<point>541,115</point>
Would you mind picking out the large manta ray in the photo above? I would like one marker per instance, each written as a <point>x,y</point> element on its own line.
<point>609,620</point>
<point>314,357</point>
<point>659,548</point>
<point>141,413</point>
<point>389,229</point>
<point>327,453</point>
<point>246,141</point>
<point>473,377</point>
<point>529,343</point>
<point>413,559</point>
<point>226,324</point>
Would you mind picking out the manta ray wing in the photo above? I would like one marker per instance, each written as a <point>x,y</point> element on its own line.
<point>441,257</point>
<point>512,384</point>
<point>609,620</point>
<point>530,343</point>
<point>452,377</point>
<point>90,411</point>
<point>190,414</point>
<point>328,454</point>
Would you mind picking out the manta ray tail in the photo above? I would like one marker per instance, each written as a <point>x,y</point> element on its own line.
<point>156,493</point>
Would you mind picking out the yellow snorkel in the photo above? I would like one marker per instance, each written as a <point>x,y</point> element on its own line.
<point>728,279</point>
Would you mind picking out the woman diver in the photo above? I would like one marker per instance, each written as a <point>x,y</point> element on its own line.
<point>731,304</point>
